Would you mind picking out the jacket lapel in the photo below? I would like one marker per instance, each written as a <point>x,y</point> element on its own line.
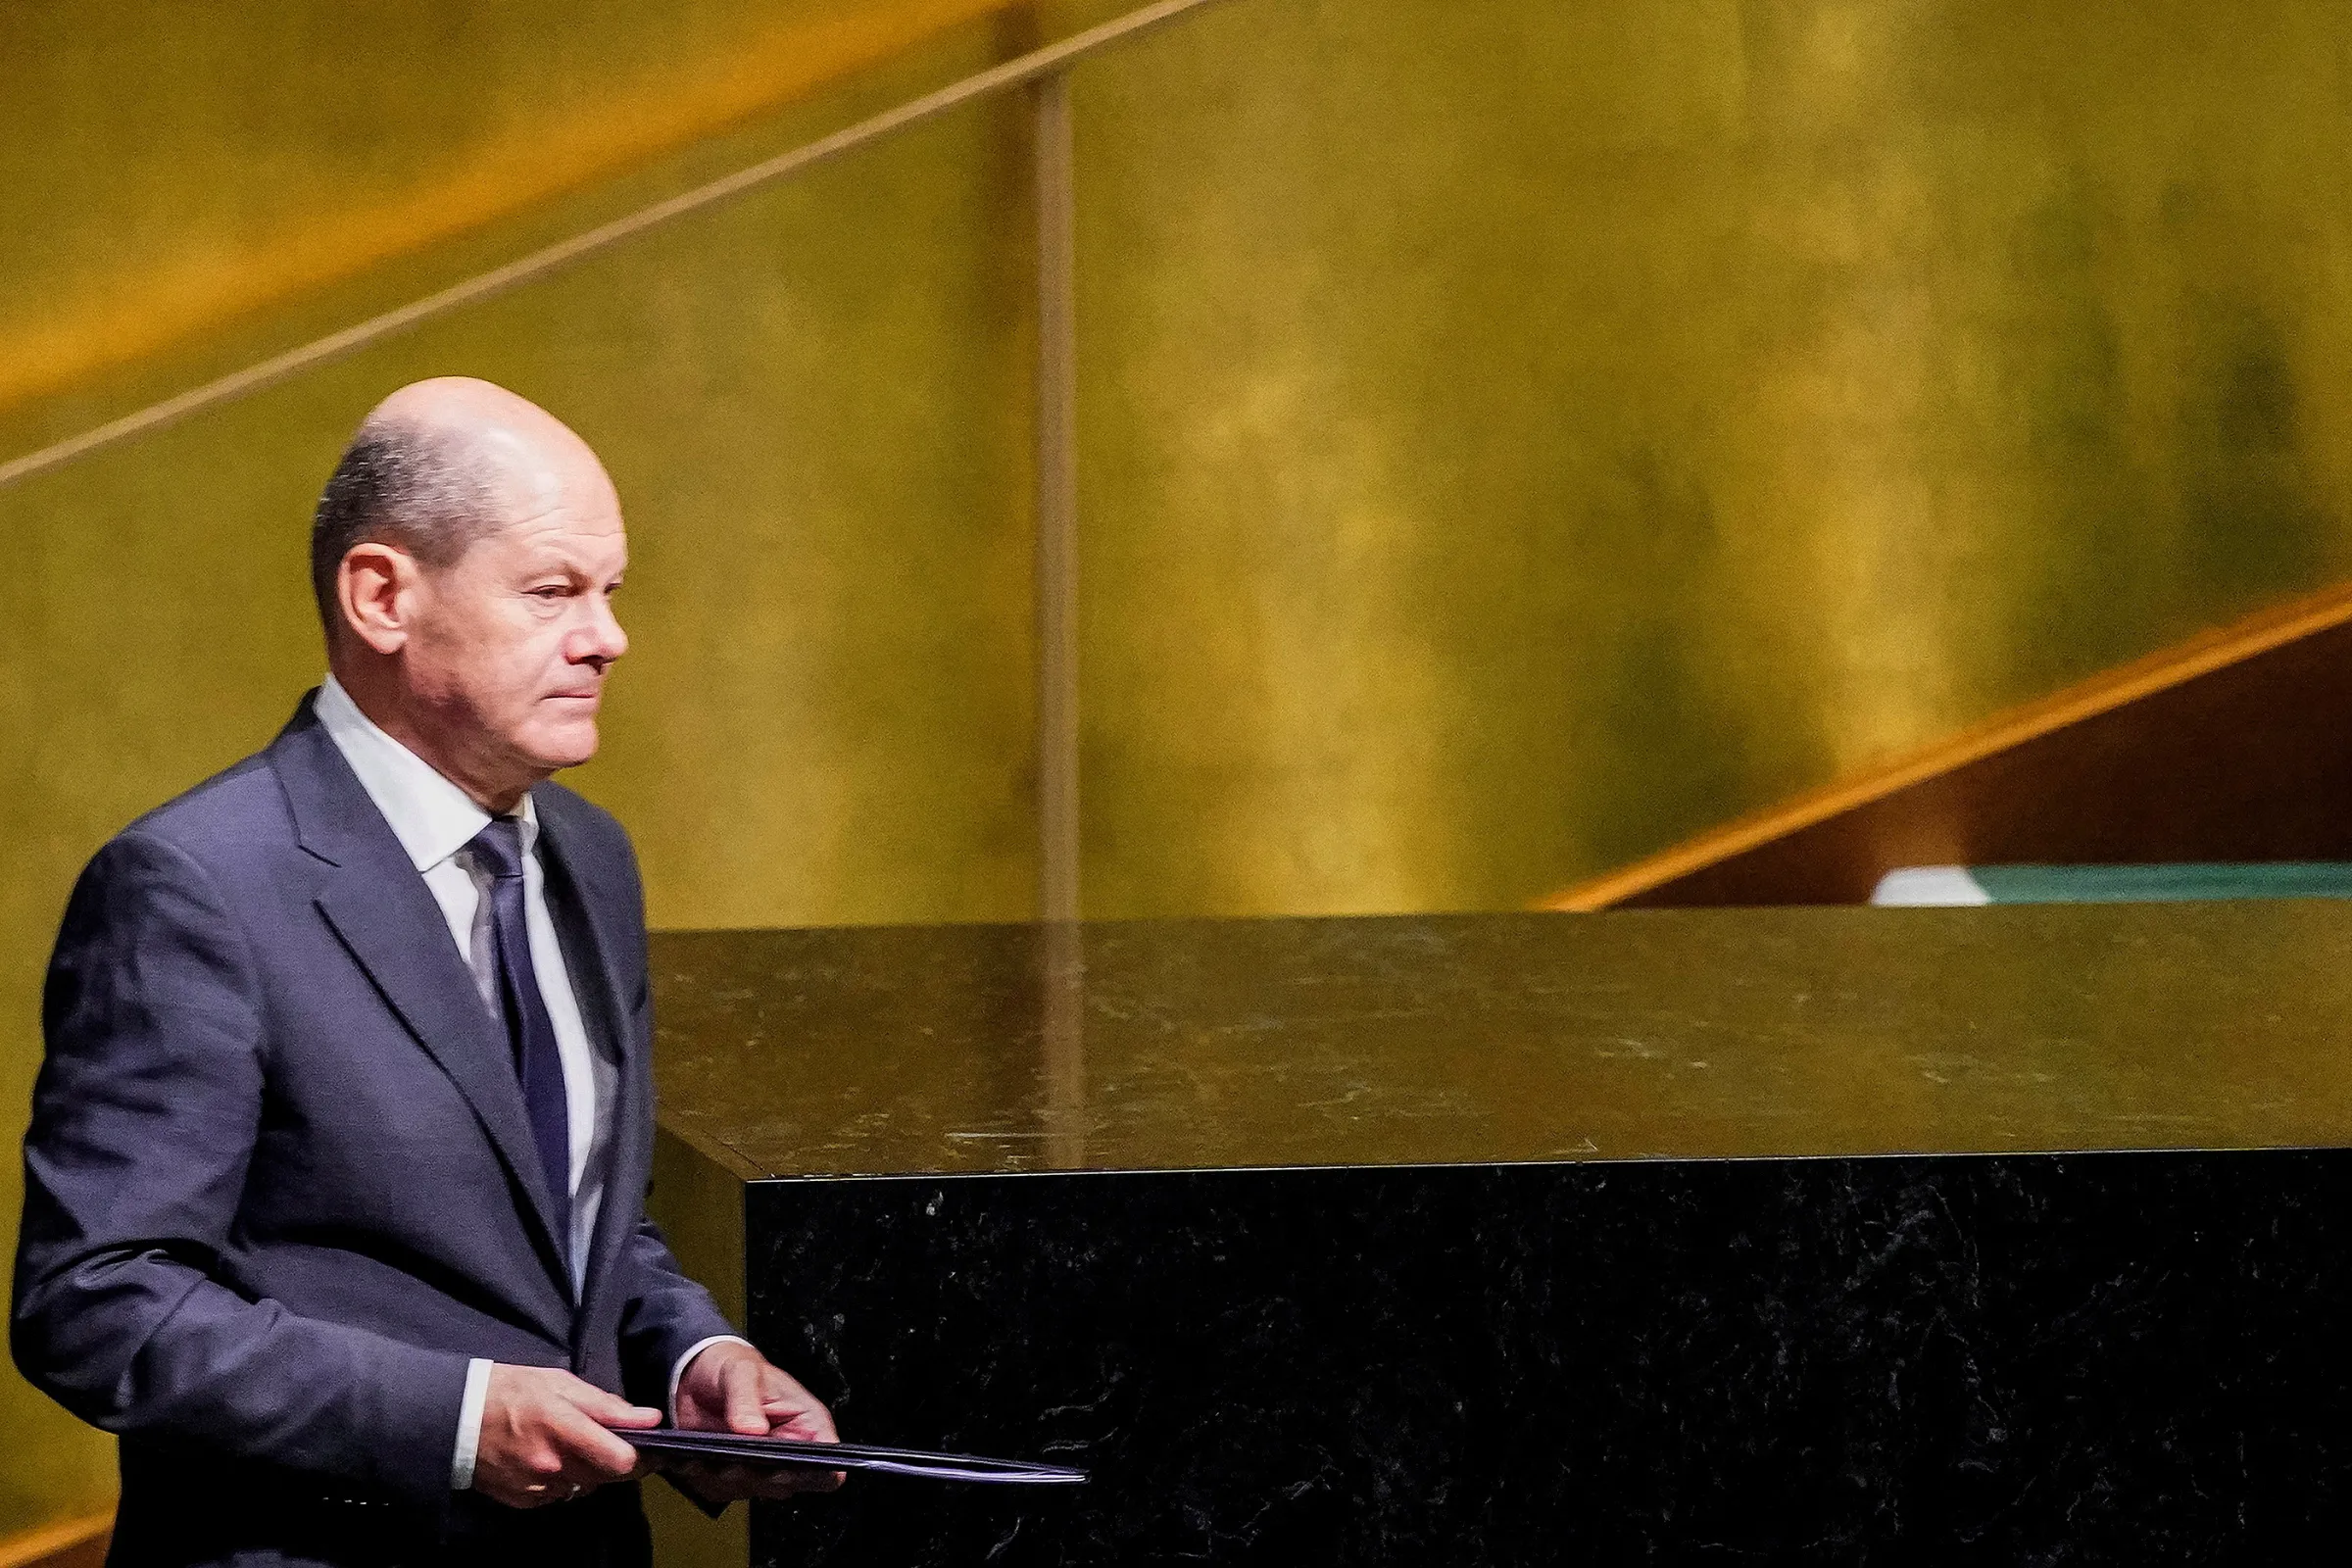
<point>387,919</point>
<point>588,914</point>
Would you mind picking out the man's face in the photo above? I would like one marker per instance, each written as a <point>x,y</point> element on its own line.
<point>510,644</point>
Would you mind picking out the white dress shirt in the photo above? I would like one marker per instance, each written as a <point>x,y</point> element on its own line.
<point>435,821</point>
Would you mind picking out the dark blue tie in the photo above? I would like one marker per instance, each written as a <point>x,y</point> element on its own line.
<point>497,849</point>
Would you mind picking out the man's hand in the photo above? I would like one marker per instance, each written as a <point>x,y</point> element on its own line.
<point>733,1388</point>
<point>545,1437</point>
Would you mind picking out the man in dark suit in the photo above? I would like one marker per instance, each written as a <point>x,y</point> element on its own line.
<point>333,1188</point>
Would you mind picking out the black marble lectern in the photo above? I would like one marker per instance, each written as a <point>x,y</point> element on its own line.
<point>2000,1235</point>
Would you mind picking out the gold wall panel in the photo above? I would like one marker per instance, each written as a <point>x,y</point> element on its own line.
<point>1520,436</point>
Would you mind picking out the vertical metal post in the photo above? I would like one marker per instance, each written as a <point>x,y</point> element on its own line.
<point>1056,507</point>
<point>1062,954</point>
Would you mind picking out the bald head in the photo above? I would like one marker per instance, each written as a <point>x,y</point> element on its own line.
<point>465,555</point>
<point>439,465</point>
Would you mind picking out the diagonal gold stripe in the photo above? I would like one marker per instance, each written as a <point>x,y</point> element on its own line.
<point>486,285</point>
<point>174,296</point>
<point>34,1548</point>
<point>2161,670</point>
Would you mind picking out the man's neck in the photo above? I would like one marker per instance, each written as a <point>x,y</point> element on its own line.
<point>380,701</point>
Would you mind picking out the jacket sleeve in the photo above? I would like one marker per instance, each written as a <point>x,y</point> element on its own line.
<point>667,1315</point>
<point>144,1118</point>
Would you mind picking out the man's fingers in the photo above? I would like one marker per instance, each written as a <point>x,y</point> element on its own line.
<point>786,1482</point>
<point>744,1405</point>
<point>591,1453</point>
<point>802,1423</point>
<point>793,1411</point>
<point>547,1480</point>
<point>609,1409</point>
<point>548,1438</point>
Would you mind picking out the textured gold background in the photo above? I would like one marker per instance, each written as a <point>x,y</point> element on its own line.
<point>1520,436</point>
<point>1514,435</point>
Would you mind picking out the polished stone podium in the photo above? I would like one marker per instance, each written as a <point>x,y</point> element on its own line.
<point>2003,1235</point>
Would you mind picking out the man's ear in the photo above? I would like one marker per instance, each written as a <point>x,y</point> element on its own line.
<point>375,588</point>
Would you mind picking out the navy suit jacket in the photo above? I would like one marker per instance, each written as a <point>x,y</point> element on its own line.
<point>279,1183</point>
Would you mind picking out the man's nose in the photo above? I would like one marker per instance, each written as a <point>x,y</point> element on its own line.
<point>602,640</point>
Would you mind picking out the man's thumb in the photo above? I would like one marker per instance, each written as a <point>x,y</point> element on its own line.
<point>746,1411</point>
<point>611,1410</point>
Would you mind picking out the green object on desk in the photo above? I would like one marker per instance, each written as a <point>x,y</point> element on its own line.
<point>2116,884</point>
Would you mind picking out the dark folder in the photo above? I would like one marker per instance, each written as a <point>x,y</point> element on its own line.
<point>728,1447</point>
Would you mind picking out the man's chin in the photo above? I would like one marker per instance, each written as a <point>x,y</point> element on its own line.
<point>563,746</point>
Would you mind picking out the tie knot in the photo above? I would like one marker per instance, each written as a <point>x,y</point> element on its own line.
<point>498,848</point>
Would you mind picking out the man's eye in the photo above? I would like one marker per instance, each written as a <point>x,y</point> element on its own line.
<point>550,591</point>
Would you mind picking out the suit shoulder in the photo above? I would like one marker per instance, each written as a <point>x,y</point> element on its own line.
<point>585,822</point>
<point>194,852</point>
<point>237,810</point>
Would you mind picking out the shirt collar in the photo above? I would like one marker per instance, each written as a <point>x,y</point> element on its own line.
<point>431,816</point>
